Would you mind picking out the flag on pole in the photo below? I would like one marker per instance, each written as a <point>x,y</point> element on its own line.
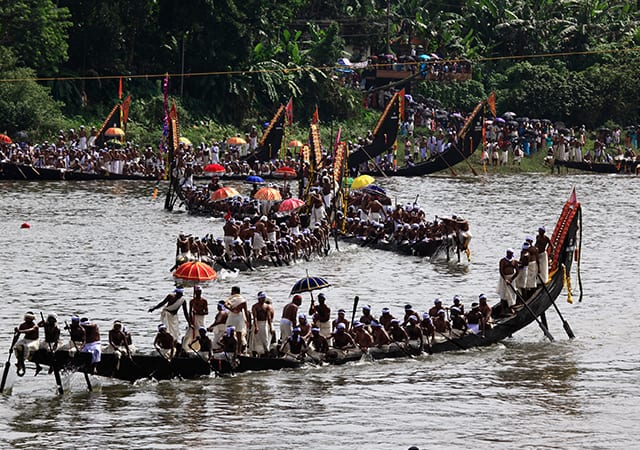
<point>491,101</point>
<point>316,117</point>
<point>125,111</point>
<point>401,99</point>
<point>289,112</point>
<point>120,89</point>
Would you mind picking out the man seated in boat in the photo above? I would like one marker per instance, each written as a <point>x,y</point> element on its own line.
<point>77,335</point>
<point>440,322</point>
<point>458,322</point>
<point>295,344</point>
<point>228,343</point>
<point>408,312</point>
<point>28,343</point>
<point>92,343</point>
<point>414,333</point>
<point>341,339</point>
<point>366,318</point>
<point>202,344</point>
<point>486,311</point>
<point>385,319</point>
<point>362,337</point>
<point>457,302</point>
<point>321,315</point>
<point>118,343</point>
<point>437,306</point>
<point>341,319</point>
<point>428,330</point>
<point>317,342</point>
<point>508,268</point>
<point>164,343</point>
<point>397,333</point>
<point>51,333</point>
<point>304,325</point>
<point>379,334</point>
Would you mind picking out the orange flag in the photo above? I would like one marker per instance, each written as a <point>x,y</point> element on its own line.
<point>491,101</point>
<point>288,111</point>
<point>120,88</point>
<point>401,98</point>
<point>125,111</point>
<point>316,117</point>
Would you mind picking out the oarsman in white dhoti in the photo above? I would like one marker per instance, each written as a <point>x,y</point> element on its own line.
<point>289,318</point>
<point>532,269</point>
<point>198,310</point>
<point>523,264</point>
<point>92,343</point>
<point>508,271</point>
<point>317,207</point>
<point>262,330</point>
<point>238,317</point>
<point>543,244</point>
<point>169,315</point>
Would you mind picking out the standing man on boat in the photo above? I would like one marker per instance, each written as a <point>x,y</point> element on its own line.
<point>238,317</point>
<point>260,337</point>
<point>169,315</point>
<point>289,318</point>
<point>321,315</point>
<point>508,268</point>
<point>543,244</point>
<point>231,231</point>
<point>29,342</point>
<point>198,310</point>
<point>219,325</point>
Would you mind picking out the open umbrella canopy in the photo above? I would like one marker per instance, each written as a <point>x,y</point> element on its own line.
<point>499,120</point>
<point>268,193</point>
<point>224,193</point>
<point>195,271</point>
<point>290,204</point>
<point>184,141</point>
<point>509,115</point>
<point>308,284</point>
<point>4,139</point>
<point>375,190</point>
<point>114,132</point>
<point>296,143</point>
<point>285,171</point>
<point>214,168</point>
<point>254,179</point>
<point>236,140</point>
<point>362,181</point>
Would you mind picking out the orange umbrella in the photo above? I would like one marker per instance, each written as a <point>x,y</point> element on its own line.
<point>285,171</point>
<point>195,271</point>
<point>267,193</point>
<point>4,139</point>
<point>114,132</point>
<point>214,168</point>
<point>236,140</point>
<point>223,193</point>
<point>296,143</point>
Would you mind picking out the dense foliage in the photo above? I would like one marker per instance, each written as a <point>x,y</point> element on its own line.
<point>242,58</point>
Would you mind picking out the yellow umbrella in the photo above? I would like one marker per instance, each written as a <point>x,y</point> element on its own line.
<point>362,181</point>
<point>185,141</point>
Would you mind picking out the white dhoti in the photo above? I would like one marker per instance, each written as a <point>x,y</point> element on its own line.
<point>271,236</point>
<point>317,214</point>
<point>506,291</point>
<point>237,320</point>
<point>25,347</point>
<point>285,329</point>
<point>217,333</point>
<point>294,231</point>
<point>170,320</point>
<point>192,332</point>
<point>260,342</point>
<point>521,279</point>
<point>95,348</point>
<point>258,243</point>
<point>228,243</point>
<point>325,328</point>
<point>504,158</point>
<point>543,266</point>
<point>532,275</point>
<point>375,216</point>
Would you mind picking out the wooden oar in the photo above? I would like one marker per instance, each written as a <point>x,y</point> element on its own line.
<point>544,329</point>
<point>208,363</point>
<point>56,371</point>
<point>466,158</point>
<point>355,306</point>
<point>7,365</point>
<point>453,341</point>
<point>86,375</point>
<point>565,324</point>
<point>169,363</point>
<point>453,172</point>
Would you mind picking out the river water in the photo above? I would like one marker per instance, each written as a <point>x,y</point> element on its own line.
<point>103,250</point>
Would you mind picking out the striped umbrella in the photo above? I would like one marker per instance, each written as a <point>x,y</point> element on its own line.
<point>309,284</point>
<point>195,271</point>
<point>267,193</point>
<point>224,193</point>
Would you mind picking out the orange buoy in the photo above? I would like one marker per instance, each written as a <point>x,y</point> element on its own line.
<point>25,225</point>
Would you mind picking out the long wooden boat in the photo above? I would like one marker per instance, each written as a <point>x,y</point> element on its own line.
<point>468,139</point>
<point>564,244</point>
<point>13,171</point>
<point>622,167</point>
<point>425,248</point>
<point>384,134</point>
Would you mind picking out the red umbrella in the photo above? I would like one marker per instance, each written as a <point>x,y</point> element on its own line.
<point>214,168</point>
<point>195,271</point>
<point>4,139</point>
<point>267,193</point>
<point>114,132</point>
<point>290,204</point>
<point>223,193</point>
<point>285,171</point>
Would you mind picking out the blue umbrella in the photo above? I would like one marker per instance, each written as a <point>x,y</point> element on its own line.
<point>424,57</point>
<point>308,284</point>
<point>375,189</point>
<point>254,179</point>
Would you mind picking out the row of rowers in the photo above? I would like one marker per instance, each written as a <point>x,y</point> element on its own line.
<point>241,329</point>
<point>263,238</point>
